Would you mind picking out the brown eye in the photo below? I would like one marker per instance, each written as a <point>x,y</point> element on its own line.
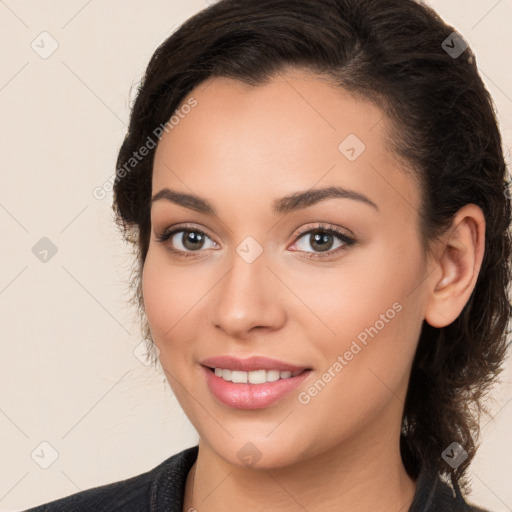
<point>191,240</point>
<point>184,240</point>
<point>321,239</point>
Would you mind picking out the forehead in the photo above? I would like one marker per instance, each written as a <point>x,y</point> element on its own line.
<point>293,133</point>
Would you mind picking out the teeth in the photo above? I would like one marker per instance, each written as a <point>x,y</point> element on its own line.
<point>237,376</point>
<point>254,377</point>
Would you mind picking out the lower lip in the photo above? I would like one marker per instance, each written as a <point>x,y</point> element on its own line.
<point>251,396</point>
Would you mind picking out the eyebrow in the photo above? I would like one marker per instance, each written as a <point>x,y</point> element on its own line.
<point>287,204</point>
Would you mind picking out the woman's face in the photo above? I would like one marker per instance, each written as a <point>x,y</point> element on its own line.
<point>262,278</point>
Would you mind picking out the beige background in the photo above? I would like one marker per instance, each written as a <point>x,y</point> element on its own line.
<point>68,374</point>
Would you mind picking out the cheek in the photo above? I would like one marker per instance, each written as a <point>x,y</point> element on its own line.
<point>373,317</point>
<point>165,297</point>
<point>365,368</point>
<point>154,293</point>
<point>350,298</point>
<point>174,301</point>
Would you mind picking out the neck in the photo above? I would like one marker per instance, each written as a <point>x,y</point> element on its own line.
<point>363,473</point>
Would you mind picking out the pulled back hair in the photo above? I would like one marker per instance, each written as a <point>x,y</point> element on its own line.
<point>444,129</point>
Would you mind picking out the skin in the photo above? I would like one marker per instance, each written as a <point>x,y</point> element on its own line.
<point>241,148</point>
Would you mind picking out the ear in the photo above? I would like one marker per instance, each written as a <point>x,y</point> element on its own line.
<point>456,270</point>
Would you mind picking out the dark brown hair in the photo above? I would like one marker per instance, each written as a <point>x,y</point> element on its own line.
<point>392,52</point>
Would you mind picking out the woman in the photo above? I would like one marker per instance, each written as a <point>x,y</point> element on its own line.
<point>315,189</point>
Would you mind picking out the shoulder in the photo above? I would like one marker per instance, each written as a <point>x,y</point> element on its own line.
<point>434,494</point>
<point>144,492</point>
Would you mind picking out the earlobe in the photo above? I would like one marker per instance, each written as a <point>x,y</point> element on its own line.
<point>457,267</point>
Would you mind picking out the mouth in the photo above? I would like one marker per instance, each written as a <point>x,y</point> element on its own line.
<point>255,388</point>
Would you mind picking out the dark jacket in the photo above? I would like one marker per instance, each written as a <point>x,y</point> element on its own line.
<point>162,489</point>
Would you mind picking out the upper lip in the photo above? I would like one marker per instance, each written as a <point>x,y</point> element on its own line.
<point>250,364</point>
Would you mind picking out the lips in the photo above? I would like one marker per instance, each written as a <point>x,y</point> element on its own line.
<point>251,396</point>
<point>251,364</point>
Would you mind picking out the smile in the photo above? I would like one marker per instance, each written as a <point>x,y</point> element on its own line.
<point>255,376</point>
<point>254,389</point>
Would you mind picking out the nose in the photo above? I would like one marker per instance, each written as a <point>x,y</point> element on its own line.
<point>248,300</point>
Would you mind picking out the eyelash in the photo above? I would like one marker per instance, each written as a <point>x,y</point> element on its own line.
<point>323,228</point>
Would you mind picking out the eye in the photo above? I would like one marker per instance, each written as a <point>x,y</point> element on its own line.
<point>322,238</point>
<point>184,240</point>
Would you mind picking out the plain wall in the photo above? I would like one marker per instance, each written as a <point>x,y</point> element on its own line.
<point>68,374</point>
